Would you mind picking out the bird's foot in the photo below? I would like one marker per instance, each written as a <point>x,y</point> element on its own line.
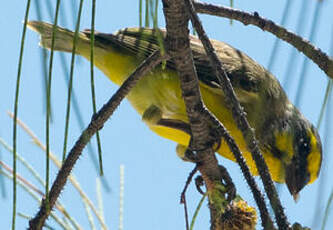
<point>228,187</point>
<point>186,154</point>
<point>228,184</point>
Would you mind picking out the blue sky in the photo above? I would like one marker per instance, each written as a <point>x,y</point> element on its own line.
<point>154,176</point>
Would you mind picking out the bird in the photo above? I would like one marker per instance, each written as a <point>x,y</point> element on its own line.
<point>290,144</point>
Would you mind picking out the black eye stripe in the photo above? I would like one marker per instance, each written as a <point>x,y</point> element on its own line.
<point>303,144</point>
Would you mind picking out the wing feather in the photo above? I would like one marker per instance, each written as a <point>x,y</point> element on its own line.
<point>246,75</point>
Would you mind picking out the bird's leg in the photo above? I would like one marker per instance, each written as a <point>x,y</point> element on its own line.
<point>186,154</point>
<point>153,117</point>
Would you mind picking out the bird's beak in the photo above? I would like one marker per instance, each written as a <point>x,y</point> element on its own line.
<point>294,182</point>
<point>296,197</point>
<point>292,187</point>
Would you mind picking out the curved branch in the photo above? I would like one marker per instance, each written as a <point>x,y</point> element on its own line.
<point>323,61</point>
<point>266,220</point>
<point>240,119</point>
<point>96,124</point>
<point>178,46</point>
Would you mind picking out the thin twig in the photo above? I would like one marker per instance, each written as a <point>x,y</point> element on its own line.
<point>272,59</point>
<point>58,163</point>
<point>24,162</point>
<point>183,195</point>
<point>186,214</point>
<point>33,195</point>
<point>92,81</point>
<point>196,212</point>
<point>305,65</point>
<point>70,82</point>
<point>323,61</point>
<point>303,12</point>
<point>188,181</point>
<point>17,92</point>
<point>240,118</point>
<point>89,216</point>
<point>96,124</point>
<point>99,198</point>
<point>266,220</point>
<point>63,225</point>
<point>121,197</point>
<point>36,193</point>
<point>75,103</point>
<point>48,108</point>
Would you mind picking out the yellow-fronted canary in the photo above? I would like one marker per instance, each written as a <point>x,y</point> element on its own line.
<point>290,144</point>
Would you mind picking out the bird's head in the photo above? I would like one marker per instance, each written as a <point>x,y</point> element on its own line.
<point>298,145</point>
<point>305,165</point>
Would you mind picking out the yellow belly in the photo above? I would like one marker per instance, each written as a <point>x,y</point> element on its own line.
<point>162,89</point>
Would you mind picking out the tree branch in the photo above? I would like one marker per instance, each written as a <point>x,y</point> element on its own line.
<point>96,124</point>
<point>240,118</point>
<point>178,46</point>
<point>323,61</point>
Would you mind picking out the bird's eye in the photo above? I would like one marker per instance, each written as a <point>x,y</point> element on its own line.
<point>248,85</point>
<point>304,146</point>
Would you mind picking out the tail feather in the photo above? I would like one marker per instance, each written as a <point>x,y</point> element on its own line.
<point>63,37</point>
